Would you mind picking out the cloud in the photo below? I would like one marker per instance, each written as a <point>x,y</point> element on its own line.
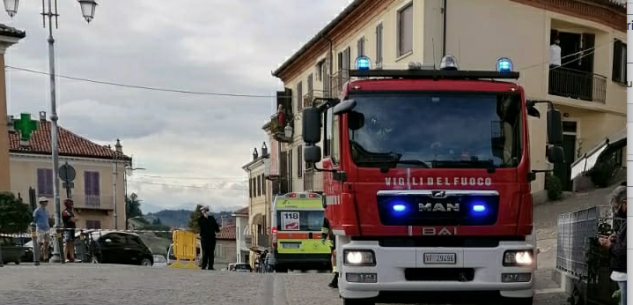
<point>198,45</point>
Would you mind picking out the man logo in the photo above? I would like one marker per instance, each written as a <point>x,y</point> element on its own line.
<point>438,207</point>
<point>439,194</point>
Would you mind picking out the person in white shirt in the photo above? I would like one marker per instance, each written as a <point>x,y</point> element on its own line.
<point>555,54</point>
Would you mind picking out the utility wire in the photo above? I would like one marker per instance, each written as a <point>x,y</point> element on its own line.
<point>192,178</point>
<point>183,186</point>
<point>142,87</point>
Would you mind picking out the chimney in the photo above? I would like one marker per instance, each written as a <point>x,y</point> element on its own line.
<point>264,149</point>
<point>255,155</point>
<point>43,116</point>
<point>118,146</point>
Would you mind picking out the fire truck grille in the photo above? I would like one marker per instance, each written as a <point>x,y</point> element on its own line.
<point>440,274</point>
<point>427,210</point>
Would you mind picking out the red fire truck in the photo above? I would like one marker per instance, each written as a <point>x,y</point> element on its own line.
<point>427,183</point>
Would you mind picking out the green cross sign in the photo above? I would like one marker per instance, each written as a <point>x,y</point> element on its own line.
<point>26,126</point>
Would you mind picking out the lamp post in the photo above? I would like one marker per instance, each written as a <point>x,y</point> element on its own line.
<point>49,9</point>
<point>131,169</point>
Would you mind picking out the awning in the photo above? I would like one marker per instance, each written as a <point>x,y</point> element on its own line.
<point>590,158</point>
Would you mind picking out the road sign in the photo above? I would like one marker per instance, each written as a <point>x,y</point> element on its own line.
<point>67,173</point>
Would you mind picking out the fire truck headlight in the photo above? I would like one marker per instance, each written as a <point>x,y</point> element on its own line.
<point>518,258</point>
<point>360,258</point>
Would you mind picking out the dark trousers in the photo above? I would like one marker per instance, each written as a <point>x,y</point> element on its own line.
<point>208,255</point>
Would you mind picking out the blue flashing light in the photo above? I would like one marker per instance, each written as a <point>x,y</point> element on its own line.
<point>363,63</point>
<point>504,65</point>
<point>479,208</point>
<point>399,207</point>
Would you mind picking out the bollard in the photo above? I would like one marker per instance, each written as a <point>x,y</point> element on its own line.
<point>36,245</point>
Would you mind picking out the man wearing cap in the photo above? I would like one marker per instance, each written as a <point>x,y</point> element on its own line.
<point>208,228</point>
<point>40,217</point>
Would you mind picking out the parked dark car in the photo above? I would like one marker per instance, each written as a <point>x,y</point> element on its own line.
<point>120,248</point>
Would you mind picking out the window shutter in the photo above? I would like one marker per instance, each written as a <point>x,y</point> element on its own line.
<point>41,181</point>
<point>379,45</point>
<point>617,58</point>
<point>95,184</point>
<point>87,183</point>
<point>299,161</point>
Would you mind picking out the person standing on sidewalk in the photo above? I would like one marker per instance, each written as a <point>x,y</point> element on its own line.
<point>208,228</point>
<point>40,217</point>
<point>70,223</point>
<point>616,243</point>
<point>326,234</point>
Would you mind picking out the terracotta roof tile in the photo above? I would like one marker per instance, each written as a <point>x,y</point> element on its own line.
<point>70,144</point>
<point>243,211</point>
<point>226,233</point>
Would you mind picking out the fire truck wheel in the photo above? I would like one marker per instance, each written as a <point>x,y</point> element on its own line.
<point>517,301</point>
<point>358,302</point>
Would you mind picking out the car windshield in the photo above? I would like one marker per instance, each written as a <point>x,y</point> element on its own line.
<point>436,130</point>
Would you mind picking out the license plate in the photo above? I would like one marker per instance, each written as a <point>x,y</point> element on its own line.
<point>291,245</point>
<point>440,258</point>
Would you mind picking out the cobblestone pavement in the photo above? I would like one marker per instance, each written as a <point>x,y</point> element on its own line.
<point>101,284</point>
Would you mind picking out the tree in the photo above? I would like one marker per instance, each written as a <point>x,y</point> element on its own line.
<point>15,216</point>
<point>133,206</point>
<point>193,219</point>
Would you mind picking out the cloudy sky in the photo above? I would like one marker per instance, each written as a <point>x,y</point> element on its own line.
<point>192,146</point>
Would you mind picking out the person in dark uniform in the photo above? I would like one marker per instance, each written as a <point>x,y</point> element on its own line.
<point>208,228</point>
<point>326,234</point>
<point>70,223</point>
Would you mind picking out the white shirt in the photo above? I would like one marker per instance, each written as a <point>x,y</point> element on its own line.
<point>618,276</point>
<point>554,55</point>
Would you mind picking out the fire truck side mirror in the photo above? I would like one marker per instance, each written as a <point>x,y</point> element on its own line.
<point>312,154</point>
<point>555,154</point>
<point>554,127</point>
<point>311,125</point>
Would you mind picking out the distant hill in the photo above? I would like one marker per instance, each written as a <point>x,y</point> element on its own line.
<point>180,218</point>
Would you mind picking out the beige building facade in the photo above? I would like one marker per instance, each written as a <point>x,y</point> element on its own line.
<point>98,189</point>
<point>589,88</point>
<point>8,37</point>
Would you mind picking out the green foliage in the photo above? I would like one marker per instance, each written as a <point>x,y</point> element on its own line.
<point>193,219</point>
<point>602,173</point>
<point>554,187</point>
<point>133,206</point>
<point>15,216</point>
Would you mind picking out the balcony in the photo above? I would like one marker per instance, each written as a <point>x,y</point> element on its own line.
<point>338,80</point>
<point>308,98</point>
<point>248,240</point>
<point>577,84</point>
<point>93,202</point>
<point>263,240</point>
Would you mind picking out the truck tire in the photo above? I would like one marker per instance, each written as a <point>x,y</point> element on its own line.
<point>359,302</point>
<point>517,301</point>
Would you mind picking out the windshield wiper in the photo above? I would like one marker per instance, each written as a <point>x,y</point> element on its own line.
<point>489,165</point>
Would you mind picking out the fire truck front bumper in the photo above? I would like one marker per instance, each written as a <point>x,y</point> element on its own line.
<point>370,271</point>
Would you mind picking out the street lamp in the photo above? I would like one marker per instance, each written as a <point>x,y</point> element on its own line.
<point>87,7</point>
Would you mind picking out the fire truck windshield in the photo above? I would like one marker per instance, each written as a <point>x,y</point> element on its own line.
<point>436,130</point>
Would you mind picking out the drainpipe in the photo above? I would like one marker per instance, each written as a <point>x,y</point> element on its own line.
<point>444,30</point>
<point>331,61</point>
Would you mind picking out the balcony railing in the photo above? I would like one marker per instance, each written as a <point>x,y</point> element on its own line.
<point>338,80</point>
<point>309,97</point>
<point>263,240</point>
<point>95,202</point>
<point>576,84</point>
<point>248,240</point>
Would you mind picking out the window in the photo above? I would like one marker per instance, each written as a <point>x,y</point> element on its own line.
<point>299,96</point>
<point>327,130</point>
<point>308,220</point>
<point>619,62</point>
<point>379,45</point>
<point>92,188</point>
<point>310,84</point>
<point>299,161</point>
<point>405,30</point>
<point>259,186</point>
<point>335,141</point>
<point>45,181</point>
<point>250,188</point>
<point>93,224</point>
<point>263,185</point>
<point>360,47</point>
<point>319,70</point>
<point>114,238</point>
